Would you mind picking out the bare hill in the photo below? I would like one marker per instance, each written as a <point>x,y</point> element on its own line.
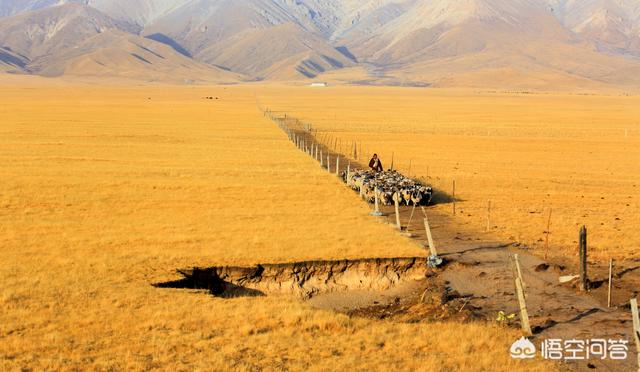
<point>511,43</point>
<point>12,62</point>
<point>78,40</point>
<point>55,29</point>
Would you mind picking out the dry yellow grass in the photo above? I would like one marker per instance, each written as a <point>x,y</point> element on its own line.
<point>527,153</point>
<point>106,191</point>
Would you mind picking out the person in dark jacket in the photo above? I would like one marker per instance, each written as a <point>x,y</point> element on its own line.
<point>375,164</point>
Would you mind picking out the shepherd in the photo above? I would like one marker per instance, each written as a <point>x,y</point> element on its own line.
<point>375,164</point>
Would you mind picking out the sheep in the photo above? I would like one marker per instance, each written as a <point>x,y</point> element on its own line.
<point>388,183</point>
<point>406,196</point>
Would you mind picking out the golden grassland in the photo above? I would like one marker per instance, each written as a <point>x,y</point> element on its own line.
<point>106,191</point>
<point>576,155</point>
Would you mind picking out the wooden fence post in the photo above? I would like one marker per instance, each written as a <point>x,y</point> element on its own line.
<point>524,314</point>
<point>546,241</point>
<point>516,261</point>
<point>396,202</point>
<point>376,212</point>
<point>337,165</point>
<point>413,209</point>
<point>636,326</point>
<point>584,285</point>
<point>328,163</point>
<point>610,282</point>
<point>427,228</point>
<point>453,196</point>
<point>392,156</point>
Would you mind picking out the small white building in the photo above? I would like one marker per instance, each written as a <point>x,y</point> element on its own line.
<point>318,84</point>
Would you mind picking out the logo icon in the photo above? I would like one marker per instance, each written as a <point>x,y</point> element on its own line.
<point>523,349</point>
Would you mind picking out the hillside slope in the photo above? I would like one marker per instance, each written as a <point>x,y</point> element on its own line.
<point>512,43</point>
<point>78,40</point>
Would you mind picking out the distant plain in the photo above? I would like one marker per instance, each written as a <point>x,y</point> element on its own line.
<point>573,155</point>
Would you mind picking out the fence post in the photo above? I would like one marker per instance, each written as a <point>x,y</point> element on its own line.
<point>516,261</point>
<point>584,285</point>
<point>321,159</point>
<point>392,156</point>
<point>427,228</point>
<point>546,241</point>
<point>610,282</point>
<point>413,209</point>
<point>636,326</point>
<point>376,212</point>
<point>524,314</point>
<point>328,163</point>
<point>396,202</point>
<point>453,196</point>
<point>338,165</point>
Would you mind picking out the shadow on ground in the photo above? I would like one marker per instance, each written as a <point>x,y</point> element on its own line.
<point>219,289</point>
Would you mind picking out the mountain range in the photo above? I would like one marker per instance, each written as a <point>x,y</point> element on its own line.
<point>508,43</point>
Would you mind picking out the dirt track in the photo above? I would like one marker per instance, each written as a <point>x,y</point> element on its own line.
<point>480,270</point>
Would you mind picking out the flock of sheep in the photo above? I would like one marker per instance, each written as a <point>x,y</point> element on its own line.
<point>388,184</point>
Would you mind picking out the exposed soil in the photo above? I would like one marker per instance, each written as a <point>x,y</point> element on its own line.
<point>403,289</point>
<point>310,278</point>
